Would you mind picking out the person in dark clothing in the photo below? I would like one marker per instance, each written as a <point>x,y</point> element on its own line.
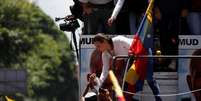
<point>137,9</point>
<point>95,15</point>
<point>194,17</point>
<point>168,13</point>
<point>127,15</point>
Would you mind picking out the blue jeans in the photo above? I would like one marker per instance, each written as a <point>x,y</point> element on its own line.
<point>194,22</point>
<point>134,20</point>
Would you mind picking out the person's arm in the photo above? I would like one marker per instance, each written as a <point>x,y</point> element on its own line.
<point>106,64</point>
<point>117,8</point>
<point>115,12</point>
<point>96,62</point>
<point>86,90</point>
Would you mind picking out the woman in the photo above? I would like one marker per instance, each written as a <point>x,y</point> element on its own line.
<point>109,47</point>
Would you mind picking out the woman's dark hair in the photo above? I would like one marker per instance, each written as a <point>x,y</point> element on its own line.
<point>100,37</point>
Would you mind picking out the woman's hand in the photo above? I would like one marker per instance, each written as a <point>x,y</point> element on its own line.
<point>104,95</point>
<point>92,77</point>
<point>92,81</point>
<point>158,13</point>
<point>87,9</point>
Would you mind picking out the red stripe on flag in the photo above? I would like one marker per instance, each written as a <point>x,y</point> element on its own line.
<point>137,49</point>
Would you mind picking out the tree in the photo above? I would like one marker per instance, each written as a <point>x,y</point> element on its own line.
<point>30,39</point>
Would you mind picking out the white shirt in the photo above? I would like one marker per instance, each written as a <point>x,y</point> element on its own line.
<point>96,1</point>
<point>121,47</point>
<point>118,6</point>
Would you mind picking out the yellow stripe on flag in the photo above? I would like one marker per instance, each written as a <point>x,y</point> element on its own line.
<point>9,99</point>
<point>132,76</point>
<point>149,11</point>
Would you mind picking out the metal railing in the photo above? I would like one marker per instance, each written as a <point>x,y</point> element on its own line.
<point>145,56</point>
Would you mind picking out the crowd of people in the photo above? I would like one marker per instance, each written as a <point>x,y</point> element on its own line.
<point>171,18</point>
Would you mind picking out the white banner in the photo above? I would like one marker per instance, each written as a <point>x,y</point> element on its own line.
<point>189,41</point>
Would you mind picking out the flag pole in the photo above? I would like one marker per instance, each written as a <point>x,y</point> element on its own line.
<point>117,88</point>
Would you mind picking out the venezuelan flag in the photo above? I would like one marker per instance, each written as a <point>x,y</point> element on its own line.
<point>138,70</point>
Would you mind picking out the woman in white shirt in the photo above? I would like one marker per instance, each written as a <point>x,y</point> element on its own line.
<point>109,47</point>
<point>118,45</point>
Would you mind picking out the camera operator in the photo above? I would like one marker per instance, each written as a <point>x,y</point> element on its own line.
<point>77,10</point>
<point>71,21</point>
<point>95,15</point>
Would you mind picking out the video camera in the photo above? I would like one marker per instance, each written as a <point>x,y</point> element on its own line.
<point>71,23</point>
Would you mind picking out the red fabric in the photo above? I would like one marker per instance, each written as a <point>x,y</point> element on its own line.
<point>138,49</point>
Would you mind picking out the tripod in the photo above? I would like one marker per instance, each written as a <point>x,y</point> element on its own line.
<point>75,44</point>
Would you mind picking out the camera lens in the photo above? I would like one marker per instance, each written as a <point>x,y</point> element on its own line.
<point>69,26</point>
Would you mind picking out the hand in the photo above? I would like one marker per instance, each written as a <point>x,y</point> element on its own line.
<point>157,14</point>
<point>87,9</point>
<point>184,13</point>
<point>131,53</point>
<point>110,21</point>
<point>82,98</point>
<point>92,77</point>
<point>104,95</point>
<point>92,82</point>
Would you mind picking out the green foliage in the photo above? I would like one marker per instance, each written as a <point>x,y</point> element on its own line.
<point>29,39</point>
